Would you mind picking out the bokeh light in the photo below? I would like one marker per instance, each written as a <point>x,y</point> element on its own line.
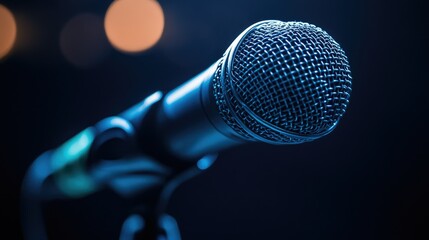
<point>83,42</point>
<point>7,31</point>
<point>134,25</point>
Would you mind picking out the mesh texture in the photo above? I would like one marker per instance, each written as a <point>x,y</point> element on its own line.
<point>289,82</point>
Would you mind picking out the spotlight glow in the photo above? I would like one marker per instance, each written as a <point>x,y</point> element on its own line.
<point>134,25</point>
<point>7,31</point>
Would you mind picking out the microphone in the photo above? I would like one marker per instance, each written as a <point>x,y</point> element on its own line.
<point>278,83</point>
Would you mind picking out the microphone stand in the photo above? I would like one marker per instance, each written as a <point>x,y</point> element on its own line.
<point>110,155</point>
<point>153,223</point>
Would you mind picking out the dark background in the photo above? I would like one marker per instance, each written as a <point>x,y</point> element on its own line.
<point>367,180</point>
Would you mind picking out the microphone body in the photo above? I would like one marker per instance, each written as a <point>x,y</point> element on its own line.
<point>187,122</point>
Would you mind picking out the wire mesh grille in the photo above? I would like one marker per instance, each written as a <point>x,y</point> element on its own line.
<point>289,82</point>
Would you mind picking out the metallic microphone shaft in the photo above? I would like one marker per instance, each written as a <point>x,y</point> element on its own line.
<point>190,122</point>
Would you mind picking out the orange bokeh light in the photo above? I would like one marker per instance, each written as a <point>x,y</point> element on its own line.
<point>7,31</point>
<point>134,25</point>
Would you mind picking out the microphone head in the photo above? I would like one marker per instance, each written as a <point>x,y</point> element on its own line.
<point>282,83</point>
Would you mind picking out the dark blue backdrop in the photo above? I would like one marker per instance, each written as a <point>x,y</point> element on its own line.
<point>366,180</point>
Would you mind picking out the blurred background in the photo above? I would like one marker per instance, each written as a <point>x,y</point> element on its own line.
<point>66,64</point>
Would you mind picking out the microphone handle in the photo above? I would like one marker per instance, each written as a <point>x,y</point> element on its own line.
<point>187,123</point>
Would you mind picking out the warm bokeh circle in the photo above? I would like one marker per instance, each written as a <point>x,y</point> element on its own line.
<point>134,25</point>
<point>7,31</point>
